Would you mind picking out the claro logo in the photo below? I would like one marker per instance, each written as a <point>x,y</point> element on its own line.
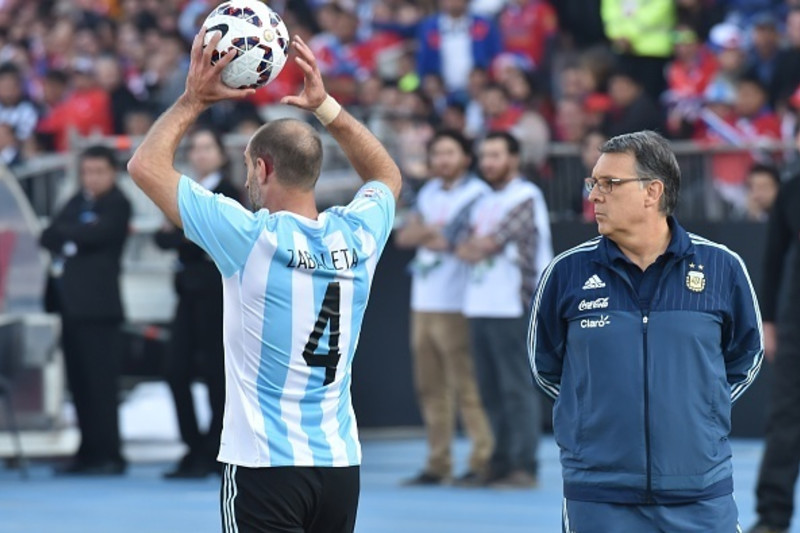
<point>598,303</point>
<point>601,322</point>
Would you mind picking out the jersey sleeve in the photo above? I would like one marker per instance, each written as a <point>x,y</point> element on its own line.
<point>373,209</point>
<point>219,225</point>
<point>743,339</point>
<point>547,334</point>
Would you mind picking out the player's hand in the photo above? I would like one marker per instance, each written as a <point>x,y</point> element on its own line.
<point>313,93</point>
<point>204,81</point>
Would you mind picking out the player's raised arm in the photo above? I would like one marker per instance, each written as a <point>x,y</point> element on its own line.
<point>365,152</point>
<point>151,166</point>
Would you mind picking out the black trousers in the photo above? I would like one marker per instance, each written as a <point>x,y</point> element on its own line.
<point>508,393</point>
<point>196,350</point>
<point>289,499</point>
<point>92,357</point>
<point>779,466</point>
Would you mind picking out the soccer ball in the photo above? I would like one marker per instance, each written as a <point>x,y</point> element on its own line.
<point>257,35</point>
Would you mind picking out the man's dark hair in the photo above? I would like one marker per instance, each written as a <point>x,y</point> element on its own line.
<point>216,136</point>
<point>766,168</point>
<point>655,160</point>
<point>10,69</point>
<point>512,144</point>
<point>460,139</point>
<point>100,152</point>
<point>294,148</point>
<point>494,86</point>
<point>58,76</point>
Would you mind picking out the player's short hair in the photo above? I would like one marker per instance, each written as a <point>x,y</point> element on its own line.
<point>455,135</point>
<point>654,160</point>
<point>100,152</point>
<point>512,144</point>
<point>294,148</point>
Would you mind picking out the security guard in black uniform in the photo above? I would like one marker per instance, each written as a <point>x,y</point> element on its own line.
<point>196,334</point>
<point>85,240</point>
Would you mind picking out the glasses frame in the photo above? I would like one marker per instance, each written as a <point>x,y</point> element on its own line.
<point>590,183</point>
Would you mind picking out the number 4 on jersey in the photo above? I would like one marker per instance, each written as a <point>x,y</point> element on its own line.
<point>328,317</point>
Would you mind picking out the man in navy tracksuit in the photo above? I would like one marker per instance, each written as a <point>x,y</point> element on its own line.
<point>644,336</point>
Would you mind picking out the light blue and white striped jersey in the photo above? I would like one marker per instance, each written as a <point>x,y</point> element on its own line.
<point>295,292</point>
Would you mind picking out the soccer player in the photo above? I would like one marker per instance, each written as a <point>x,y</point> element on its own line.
<point>644,337</point>
<point>295,286</point>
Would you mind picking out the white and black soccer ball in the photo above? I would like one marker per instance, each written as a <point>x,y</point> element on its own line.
<point>257,35</point>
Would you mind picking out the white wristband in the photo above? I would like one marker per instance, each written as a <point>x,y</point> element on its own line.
<point>328,110</point>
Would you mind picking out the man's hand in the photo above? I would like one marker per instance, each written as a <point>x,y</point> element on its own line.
<point>476,249</point>
<point>770,341</point>
<point>204,81</point>
<point>313,93</point>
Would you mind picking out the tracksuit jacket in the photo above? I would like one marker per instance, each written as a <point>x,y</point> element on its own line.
<point>643,391</point>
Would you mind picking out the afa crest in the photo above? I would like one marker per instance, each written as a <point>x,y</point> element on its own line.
<point>696,279</point>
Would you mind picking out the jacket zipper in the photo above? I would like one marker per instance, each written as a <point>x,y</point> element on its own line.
<point>648,492</point>
<point>645,320</point>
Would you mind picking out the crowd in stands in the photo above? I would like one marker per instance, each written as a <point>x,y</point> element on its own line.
<point>712,71</point>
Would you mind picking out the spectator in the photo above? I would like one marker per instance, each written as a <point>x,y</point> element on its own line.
<point>10,150</point>
<point>727,42</point>
<point>454,117</point>
<point>755,120</point>
<point>787,64</point>
<point>165,69</point>
<point>529,29</point>
<point>109,78</point>
<point>595,108</point>
<point>137,121</point>
<point>340,56</point>
<point>85,240</point>
<point>763,57</point>
<point>15,110</point>
<point>632,109</point>
<point>570,120</point>
<point>580,24</point>
<point>526,124</point>
<point>748,124</point>
<point>699,15</point>
<point>641,32</point>
<point>508,246</point>
<point>432,87</point>
<point>744,13</point>
<point>467,41</point>
<point>443,365</point>
<point>196,333</point>
<point>689,74</point>
<point>85,110</point>
<point>478,80</point>
<point>763,182</point>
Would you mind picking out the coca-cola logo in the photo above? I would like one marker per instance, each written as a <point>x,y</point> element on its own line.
<point>598,303</point>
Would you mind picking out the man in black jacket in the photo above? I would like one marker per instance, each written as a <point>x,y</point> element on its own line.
<point>86,239</point>
<point>779,466</point>
<point>196,344</point>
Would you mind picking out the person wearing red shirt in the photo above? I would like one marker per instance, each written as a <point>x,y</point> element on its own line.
<point>693,68</point>
<point>528,27</point>
<point>86,110</point>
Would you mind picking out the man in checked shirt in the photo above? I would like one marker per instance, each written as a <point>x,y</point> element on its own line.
<point>508,247</point>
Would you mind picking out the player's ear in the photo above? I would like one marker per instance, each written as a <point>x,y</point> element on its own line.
<point>654,192</point>
<point>265,167</point>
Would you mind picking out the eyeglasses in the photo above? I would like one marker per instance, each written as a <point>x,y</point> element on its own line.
<point>606,185</point>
